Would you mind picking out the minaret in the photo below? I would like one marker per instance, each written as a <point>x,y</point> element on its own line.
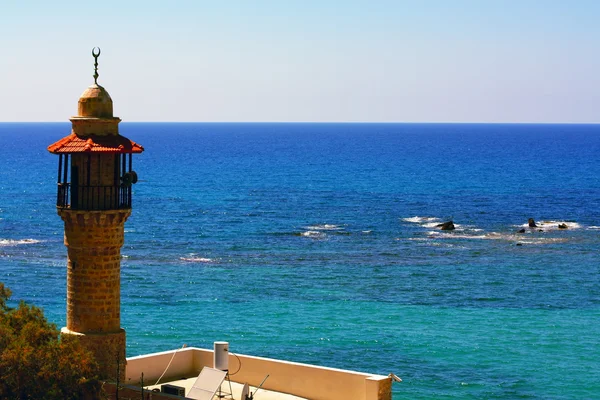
<point>94,201</point>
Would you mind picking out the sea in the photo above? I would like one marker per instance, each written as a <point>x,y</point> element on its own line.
<point>318,243</point>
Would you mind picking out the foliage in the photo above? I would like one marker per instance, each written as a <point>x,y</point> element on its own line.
<point>36,362</point>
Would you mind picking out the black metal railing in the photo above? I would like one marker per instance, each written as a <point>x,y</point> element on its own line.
<point>93,198</point>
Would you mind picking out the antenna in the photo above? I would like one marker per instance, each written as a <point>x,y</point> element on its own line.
<point>96,55</point>
<point>260,386</point>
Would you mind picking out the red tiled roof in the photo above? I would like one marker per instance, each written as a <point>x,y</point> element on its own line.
<point>95,144</point>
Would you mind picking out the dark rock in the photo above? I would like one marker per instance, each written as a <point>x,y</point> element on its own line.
<point>519,244</point>
<point>531,223</point>
<point>447,226</point>
<point>521,230</point>
<point>540,230</point>
<point>563,226</point>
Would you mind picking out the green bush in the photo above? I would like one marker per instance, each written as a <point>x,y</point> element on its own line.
<point>36,362</point>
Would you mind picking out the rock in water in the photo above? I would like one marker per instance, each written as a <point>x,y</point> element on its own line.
<point>447,226</point>
<point>531,223</point>
<point>563,226</point>
<point>521,230</point>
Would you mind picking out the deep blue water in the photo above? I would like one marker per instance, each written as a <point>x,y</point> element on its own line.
<point>317,243</point>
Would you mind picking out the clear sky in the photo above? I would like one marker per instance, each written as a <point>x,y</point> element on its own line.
<point>254,60</point>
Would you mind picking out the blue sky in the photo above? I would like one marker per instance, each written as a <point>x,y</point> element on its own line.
<point>388,61</point>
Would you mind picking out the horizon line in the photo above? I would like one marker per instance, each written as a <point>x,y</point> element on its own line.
<point>327,122</point>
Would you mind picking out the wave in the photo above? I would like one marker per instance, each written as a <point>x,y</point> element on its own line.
<point>509,237</point>
<point>313,234</point>
<point>542,240</point>
<point>454,235</point>
<point>436,225</point>
<point>552,225</point>
<point>431,222</point>
<point>316,233</point>
<point>419,220</point>
<point>319,231</point>
<point>12,242</point>
<point>193,259</point>
<point>324,227</point>
<point>471,232</point>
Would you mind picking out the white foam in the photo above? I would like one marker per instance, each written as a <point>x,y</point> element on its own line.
<point>551,225</point>
<point>528,238</point>
<point>539,240</point>
<point>324,227</point>
<point>437,225</point>
<point>11,242</point>
<point>474,237</point>
<point>419,220</point>
<point>197,259</point>
<point>593,227</point>
<point>554,224</point>
<point>463,235</point>
<point>452,235</point>
<point>313,234</point>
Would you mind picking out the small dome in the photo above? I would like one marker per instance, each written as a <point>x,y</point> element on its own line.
<point>95,102</point>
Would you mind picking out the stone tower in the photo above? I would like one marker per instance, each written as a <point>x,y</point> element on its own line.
<point>94,201</point>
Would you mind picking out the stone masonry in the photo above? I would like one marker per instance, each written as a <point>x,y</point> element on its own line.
<point>94,240</point>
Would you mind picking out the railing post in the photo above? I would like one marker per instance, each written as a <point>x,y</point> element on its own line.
<point>93,197</point>
<point>62,197</point>
<point>58,195</point>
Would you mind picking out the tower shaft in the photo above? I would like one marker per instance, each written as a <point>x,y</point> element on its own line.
<point>94,240</point>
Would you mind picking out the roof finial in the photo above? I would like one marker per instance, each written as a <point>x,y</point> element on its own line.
<point>96,55</point>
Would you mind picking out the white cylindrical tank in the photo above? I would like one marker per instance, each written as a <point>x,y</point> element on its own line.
<point>221,356</point>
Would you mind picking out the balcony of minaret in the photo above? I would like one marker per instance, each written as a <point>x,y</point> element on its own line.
<point>95,182</point>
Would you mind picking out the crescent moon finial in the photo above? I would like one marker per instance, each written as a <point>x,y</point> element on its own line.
<point>96,55</point>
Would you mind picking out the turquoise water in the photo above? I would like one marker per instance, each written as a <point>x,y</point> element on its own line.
<point>317,243</point>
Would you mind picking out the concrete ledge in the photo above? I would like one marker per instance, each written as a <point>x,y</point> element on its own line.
<point>303,380</point>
